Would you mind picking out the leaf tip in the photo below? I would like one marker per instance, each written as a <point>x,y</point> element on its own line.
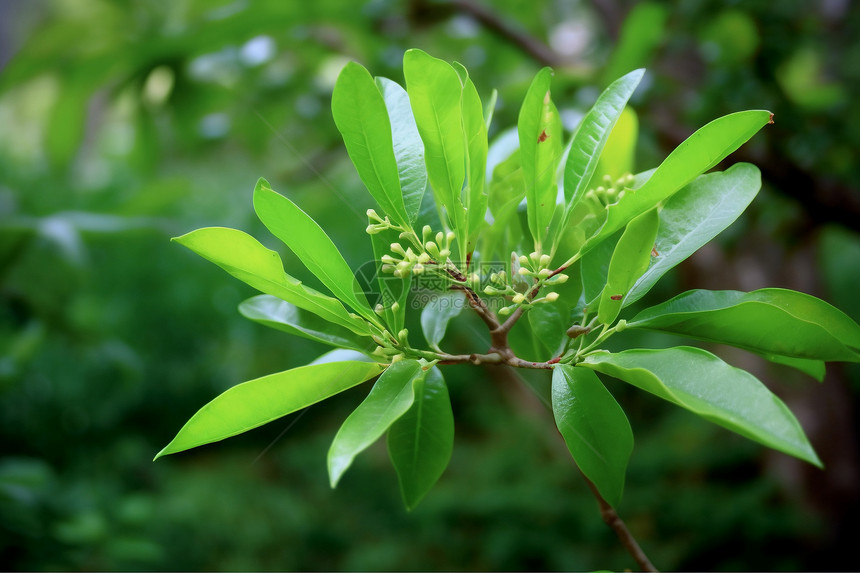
<point>262,184</point>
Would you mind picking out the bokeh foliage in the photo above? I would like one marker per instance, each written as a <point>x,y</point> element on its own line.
<point>125,123</point>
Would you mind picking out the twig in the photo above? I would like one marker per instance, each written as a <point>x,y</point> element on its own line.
<point>610,516</point>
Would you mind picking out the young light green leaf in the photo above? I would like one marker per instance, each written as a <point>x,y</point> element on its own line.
<point>591,137</point>
<point>434,94</point>
<point>421,441</point>
<point>702,383</point>
<point>771,320</point>
<point>245,258</point>
<point>437,314</point>
<point>697,154</point>
<point>594,428</point>
<point>694,216</point>
<point>257,402</point>
<point>539,128</point>
<point>311,245</point>
<point>360,114</point>
<point>391,396</point>
<point>490,108</point>
<point>281,315</point>
<point>408,147</point>
<point>629,260</point>
<point>619,154</point>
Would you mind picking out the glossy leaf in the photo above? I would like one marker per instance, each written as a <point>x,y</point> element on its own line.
<point>697,154</point>
<point>281,315</point>
<point>475,131</point>
<point>390,398</point>
<point>814,368</point>
<point>549,324</point>
<point>694,216</point>
<point>408,147</point>
<point>341,355</point>
<point>437,314</point>
<point>257,402</point>
<point>434,94</point>
<point>702,383</point>
<point>619,153</point>
<point>771,320</point>
<point>595,269</point>
<point>591,137</point>
<point>539,129</point>
<point>630,259</point>
<point>311,245</point>
<point>594,428</point>
<point>245,258</point>
<point>420,442</point>
<point>361,116</point>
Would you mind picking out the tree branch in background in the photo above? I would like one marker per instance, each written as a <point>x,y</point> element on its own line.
<point>610,516</point>
<point>536,49</point>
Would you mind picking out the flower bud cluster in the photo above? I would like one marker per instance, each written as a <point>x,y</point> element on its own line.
<point>377,223</point>
<point>609,192</point>
<point>438,246</point>
<point>401,262</point>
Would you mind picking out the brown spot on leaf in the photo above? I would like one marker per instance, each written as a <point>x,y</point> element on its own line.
<point>616,297</point>
<point>770,120</point>
<point>654,252</point>
<point>542,137</point>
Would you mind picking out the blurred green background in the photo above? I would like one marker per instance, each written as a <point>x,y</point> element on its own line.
<point>123,123</point>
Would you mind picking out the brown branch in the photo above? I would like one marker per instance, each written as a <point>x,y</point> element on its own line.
<point>610,516</point>
<point>532,46</point>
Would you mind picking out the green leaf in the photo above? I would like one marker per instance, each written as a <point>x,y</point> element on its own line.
<point>591,137</point>
<point>694,216</point>
<point>771,320</point>
<point>629,260</point>
<point>539,128</point>
<point>594,428</point>
<point>280,315</point>
<point>814,368</point>
<point>408,147</point>
<point>257,402</point>
<point>697,154</point>
<point>475,131</point>
<point>619,154</point>
<point>360,113</point>
<point>434,93</point>
<point>390,398</point>
<point>641,33</point>
<point>595,269</point>
<point>436,315</point>
<point>549,324</point>
<point>490,108</point>
<point>421,441</point>
<point>311,245</point>
<point>702,383</point>
<point>245,258</point>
